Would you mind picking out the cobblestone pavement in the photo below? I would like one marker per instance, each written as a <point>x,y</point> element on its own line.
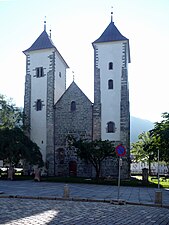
<point>40,212</point>
<point>17,211</point>
<point>104,192</point>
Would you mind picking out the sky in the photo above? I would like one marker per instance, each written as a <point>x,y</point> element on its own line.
<point>74,25</point>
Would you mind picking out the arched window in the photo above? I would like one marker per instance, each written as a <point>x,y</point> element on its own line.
<point>110,84</point>
<point>110,66</point>
<point>73,106</point>
<point>110,127</point>
<point>39,105</point>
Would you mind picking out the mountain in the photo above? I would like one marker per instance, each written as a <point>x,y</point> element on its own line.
<point>138,126</point>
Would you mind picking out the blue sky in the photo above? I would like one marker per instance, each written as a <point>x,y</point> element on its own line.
<point>75,24</point>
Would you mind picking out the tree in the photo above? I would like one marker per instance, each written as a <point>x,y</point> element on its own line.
<point>94,152</point>
<point>160,133</point>
<point>16,146</point>
<point>145,149</point>
<point>10,115</point>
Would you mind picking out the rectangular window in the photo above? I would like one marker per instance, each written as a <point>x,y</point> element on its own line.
<point>38,105</point>
<point>39,72</point>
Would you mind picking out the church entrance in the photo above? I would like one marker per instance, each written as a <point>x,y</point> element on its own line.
<point>72,168</point>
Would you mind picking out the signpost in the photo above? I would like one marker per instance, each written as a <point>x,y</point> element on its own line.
<point>120,151</point>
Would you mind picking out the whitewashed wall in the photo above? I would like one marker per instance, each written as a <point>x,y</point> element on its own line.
<point>110,99</point>
<point>60,81</point>
<point>39,91</point>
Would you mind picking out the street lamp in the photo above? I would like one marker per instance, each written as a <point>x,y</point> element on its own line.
<point>158,169</point>
<point>0,115</point>
<point>158,193</point>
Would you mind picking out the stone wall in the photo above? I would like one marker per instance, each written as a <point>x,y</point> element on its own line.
<point>125,113</point>
<point>50,115</point>
<point>97,99</point>
<point>27,96</point>
<point>77,123</point>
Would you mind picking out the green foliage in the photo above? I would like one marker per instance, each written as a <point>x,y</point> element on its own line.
<point>94,152</point>
<point>160,133</point>
<point>16,146</point>
<point>145,149</point>
<point>10,115</point>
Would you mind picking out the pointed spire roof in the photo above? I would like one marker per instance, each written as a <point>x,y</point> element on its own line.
<point>110,34</point>
<point>42,42</point>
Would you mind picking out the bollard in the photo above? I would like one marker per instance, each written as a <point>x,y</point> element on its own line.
<point>158,197</point>
<point>66,191</point>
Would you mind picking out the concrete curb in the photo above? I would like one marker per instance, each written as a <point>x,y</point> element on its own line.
<point>111,201</point>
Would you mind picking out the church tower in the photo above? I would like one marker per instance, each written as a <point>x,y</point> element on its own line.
<point>44,84</point>
<point>111,116</point>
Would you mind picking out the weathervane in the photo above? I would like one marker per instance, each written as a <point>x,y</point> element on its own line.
<point>45,24</point>
<point>111,13</point>
<point>50,32</point>
<point>73,75</point>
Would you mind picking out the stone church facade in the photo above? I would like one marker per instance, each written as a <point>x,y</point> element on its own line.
<point>54,112</point>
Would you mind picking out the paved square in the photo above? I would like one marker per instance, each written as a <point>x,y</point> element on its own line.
<point>19,204</point>
<point>40,212</point>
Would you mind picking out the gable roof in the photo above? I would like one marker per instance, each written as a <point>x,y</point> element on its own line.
<point>111,33</point>
<point>73,87</point>
<point>42,42</point>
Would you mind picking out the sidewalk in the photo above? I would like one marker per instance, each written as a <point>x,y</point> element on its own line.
<point>85,192</point>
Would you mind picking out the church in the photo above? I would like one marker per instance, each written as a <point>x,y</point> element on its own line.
<point>53,111</point>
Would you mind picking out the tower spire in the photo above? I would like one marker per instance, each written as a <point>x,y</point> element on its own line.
<point>45,24</point>
<point>112,14</point>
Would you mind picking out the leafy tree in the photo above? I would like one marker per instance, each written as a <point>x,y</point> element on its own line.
<point>16,146</point>
<point>10,115</point>
<point>160,133</point>
<point>94,152</point>
<point>145,149</point>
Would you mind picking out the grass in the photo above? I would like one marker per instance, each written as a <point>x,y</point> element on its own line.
<point>164,183</point>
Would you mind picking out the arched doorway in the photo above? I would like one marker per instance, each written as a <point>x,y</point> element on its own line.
<point>72,168</point>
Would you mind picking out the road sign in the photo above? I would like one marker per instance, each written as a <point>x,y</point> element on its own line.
<point>120,150</point>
